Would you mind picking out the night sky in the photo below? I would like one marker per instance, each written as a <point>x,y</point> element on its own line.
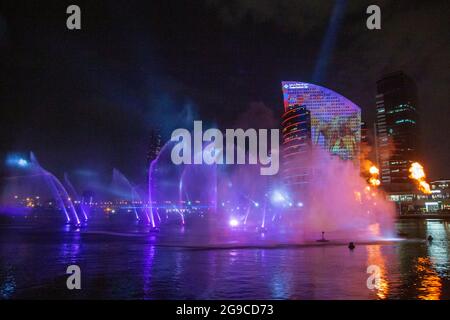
<point>86,100</point>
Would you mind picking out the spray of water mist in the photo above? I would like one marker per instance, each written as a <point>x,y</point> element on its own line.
<point>125,190</point>
<point>338,200</point>
<point>74,195</point>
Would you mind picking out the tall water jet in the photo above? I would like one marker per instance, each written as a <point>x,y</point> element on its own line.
<point>59,192</point>
<point>75,195</point>
<point>150,199</point>
<point>180,213</point>
<point>163,183</point>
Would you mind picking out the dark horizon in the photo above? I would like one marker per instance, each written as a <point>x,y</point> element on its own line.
<point>87,100</point>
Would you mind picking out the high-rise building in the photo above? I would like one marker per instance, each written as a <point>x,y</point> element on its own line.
<point>154,146</point>
<point>296,145</point>
<point>397,131</point>
<point>335,120</point>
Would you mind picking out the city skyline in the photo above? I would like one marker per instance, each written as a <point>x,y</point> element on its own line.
<point>137,79</point>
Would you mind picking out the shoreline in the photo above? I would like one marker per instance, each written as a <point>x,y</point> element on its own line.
<point>444,216</point>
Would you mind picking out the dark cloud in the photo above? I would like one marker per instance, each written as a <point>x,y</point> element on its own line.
<point>302,16</point>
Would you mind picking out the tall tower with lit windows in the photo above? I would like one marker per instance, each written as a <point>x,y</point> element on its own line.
<point>397,130</point>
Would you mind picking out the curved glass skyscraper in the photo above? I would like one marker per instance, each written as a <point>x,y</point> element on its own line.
<point>335,120</point>
<point>314,115</point>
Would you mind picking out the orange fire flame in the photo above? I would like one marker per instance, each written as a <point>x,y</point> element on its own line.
<point>417,173</point>
<point>374,181</point>
<point>374,172</point>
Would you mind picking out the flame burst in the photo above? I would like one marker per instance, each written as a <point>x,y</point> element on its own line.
<point>374,170</point>
<point>417,173</point>
<point>373,180</point>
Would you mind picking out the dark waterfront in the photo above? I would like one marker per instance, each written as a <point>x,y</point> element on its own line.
<point>127,264</point>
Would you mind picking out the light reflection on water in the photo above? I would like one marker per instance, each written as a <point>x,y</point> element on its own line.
<point>375,257</point>
<point>430,283</point>
<point>33,264</point>
<point>435,266</point>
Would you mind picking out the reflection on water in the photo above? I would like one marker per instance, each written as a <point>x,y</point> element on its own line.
<point>438,251</point>
<point>8,286</point>
<point>375,257</point>
<point>433,267</point>
<point>430,283</point>
<point>33,262</point>
<point>147,270</point>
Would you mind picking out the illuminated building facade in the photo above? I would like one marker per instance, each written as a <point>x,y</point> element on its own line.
<point>417,202</point>
<point>440,195</point>
<point>397,131</point>
<point>335,120</point>
<point>296,145</point>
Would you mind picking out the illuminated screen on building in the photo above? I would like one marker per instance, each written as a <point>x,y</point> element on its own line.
<point>335,120</point>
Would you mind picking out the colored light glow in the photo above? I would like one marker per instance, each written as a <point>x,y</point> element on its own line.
<point>14,160</point>
<point>233,222</point>
<point>278,197</point>
<point>22,162</point>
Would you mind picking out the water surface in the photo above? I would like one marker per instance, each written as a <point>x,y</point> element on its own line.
<point>127,264</point>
